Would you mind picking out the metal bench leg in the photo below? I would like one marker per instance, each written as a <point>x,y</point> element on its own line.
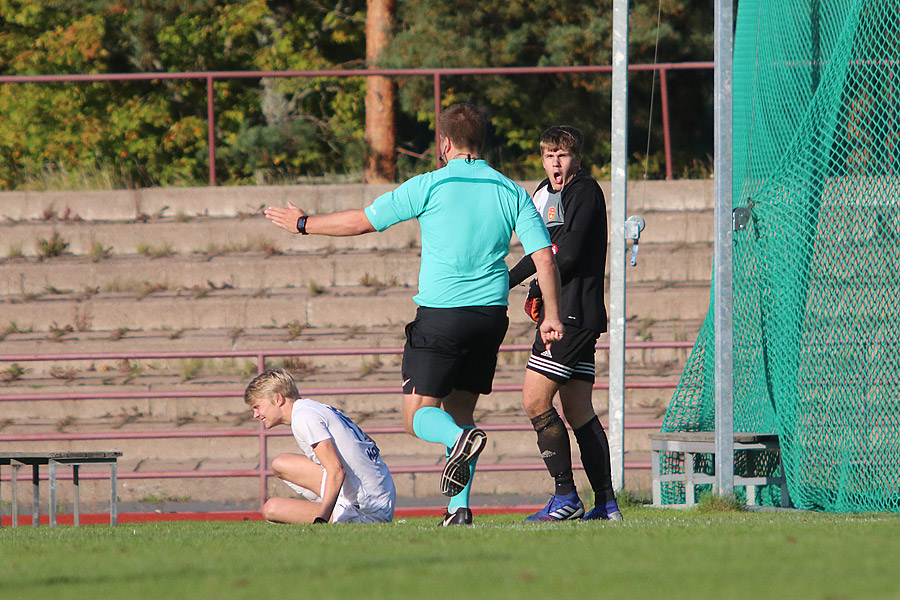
<point>15,494</point>
<point>77,508</point>
<point>689,499</point>
<point>36,499</point>
<point>785,497</point>
<point>53,491</point>
<point>113,509</point>
<point>657,486</point>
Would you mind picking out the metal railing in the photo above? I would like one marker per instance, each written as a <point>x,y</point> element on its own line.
<point>210,77</point>
<point>262,472</point>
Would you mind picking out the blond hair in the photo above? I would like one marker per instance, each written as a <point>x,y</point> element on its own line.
<point>269,384</point>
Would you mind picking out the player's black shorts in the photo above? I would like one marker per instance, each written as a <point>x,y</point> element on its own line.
<point>453,348</point>
<point>570,358</point>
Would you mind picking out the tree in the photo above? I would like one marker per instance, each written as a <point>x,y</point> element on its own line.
<point>469,33</point>
<point>381,128</point>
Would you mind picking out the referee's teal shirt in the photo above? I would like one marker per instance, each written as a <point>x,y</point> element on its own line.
<point>467,212</point>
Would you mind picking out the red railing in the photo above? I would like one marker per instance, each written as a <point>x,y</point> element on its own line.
<point>212,76</point>
<point>262,472</point>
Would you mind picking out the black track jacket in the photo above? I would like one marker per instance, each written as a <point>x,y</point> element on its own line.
<point>576,220</point>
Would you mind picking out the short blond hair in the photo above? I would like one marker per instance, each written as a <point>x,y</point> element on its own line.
<point>269,384</point>
<point>562,137</point>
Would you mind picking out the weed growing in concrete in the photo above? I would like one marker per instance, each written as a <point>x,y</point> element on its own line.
<point>58,332</point>
<point>315,289</point>
<point>129,370</point>
<point>65,422</point>
<point>13,372</point>
<point>294,330</point>
<point>14,252</point>
<point>190,368</point>
<point>370,366</point>
<point>98,251</point>
<point>298,367</point>
<point>66,374</point>
<point>370,282</point>
<point>161,251</point>
<point>118,334</point>
<point>8,330</point>
<point>147,289</point>
<point>644,329</point>
<point>52,247</point>
<point>176,334</point>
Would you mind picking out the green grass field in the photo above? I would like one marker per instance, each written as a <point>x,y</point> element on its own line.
<point>655,554</point>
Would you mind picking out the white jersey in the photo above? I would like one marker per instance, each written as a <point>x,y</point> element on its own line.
<point>367,480</point>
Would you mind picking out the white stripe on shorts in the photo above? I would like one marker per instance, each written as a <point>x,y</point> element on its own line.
<point>542,365</point>
<point>586,368</point>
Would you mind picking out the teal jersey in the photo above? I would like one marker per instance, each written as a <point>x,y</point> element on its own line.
<point>467,212</point>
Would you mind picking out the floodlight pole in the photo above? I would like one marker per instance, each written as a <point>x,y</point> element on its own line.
<point>618,210</point>
<point>723,293</point>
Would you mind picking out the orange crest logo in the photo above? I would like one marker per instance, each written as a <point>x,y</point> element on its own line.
<point>551,213</point>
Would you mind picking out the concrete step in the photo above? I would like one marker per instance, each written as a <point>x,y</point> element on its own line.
<point>198,235</point>
<point>203,307</point>
<point>212,236</point>
<point>234,201</point>
<point>255,271</point>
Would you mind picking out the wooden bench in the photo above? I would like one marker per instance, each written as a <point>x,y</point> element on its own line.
<point>691,443</point>
<point>18,460</point>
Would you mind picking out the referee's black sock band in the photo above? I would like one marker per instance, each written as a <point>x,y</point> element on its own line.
<point>553,442</point>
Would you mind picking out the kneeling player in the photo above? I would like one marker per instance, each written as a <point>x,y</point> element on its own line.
<point>340,473</point>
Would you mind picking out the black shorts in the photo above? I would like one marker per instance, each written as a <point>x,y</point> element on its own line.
<point>453,348</point>
<point>570,358</point>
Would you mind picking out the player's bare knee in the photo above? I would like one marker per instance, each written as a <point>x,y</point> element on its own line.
<point>280,465</point>
<point>270,510</point>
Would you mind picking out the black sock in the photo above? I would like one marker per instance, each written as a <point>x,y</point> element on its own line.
<point>553,442</point>
<point>595,457</point>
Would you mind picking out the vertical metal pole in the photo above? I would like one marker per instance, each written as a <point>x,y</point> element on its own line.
<point>667,134</point>
<point>437,114</point>
<point>211,130</point>
<point>619,164</point>
<point>723,295</point>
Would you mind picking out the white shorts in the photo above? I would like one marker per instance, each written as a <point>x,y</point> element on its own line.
<point>346,511</point>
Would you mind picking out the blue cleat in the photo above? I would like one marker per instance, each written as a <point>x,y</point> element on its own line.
<point>560,508</point>
<point>608,512</point>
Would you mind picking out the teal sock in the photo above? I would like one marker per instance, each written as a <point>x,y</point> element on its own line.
<point>434,425</point>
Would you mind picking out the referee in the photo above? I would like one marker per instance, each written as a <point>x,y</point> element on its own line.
<point>467,213</point>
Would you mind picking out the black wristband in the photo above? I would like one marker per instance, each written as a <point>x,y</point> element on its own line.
<point>301,224</point>
<point>319,520</point>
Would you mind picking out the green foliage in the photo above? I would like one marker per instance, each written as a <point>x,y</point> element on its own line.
<point>155,132</point>
<point>280,130</point>
<point>541,33</point>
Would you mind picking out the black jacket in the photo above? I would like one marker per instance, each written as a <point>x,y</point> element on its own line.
<point>576,220</point>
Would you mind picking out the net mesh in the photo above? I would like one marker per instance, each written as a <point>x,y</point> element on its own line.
<point>816,272</point>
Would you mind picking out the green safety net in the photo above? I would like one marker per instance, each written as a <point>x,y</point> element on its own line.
<point>817,269</point>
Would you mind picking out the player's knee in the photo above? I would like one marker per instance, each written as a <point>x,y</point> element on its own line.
<point>280,465</point>
<point>270,510</point>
